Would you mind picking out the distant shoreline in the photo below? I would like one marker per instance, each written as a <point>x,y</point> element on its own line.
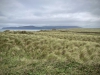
<point>1,30</point>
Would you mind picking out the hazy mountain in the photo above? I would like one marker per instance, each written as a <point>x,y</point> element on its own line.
<point>43,27</point>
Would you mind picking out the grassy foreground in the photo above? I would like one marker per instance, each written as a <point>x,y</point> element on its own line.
<point>52,52</point>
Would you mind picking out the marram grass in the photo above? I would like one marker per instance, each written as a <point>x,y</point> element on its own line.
<point>57,52</point>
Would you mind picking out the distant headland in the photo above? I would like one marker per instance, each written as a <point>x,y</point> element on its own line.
<point>43,27</point>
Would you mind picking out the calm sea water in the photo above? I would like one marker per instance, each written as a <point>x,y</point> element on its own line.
<point>1,30</point>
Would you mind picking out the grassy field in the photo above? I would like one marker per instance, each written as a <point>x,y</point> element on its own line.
<point>50,52</point>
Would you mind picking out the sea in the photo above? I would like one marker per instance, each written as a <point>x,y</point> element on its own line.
<point>1,30</point>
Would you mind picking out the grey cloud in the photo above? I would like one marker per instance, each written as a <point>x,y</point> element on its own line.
<point>50,12</point>
<point>1,14</point>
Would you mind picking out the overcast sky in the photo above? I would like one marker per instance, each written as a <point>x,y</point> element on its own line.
<point>83,13</point>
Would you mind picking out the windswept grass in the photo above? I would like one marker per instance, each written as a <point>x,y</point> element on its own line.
<point>55,52</point>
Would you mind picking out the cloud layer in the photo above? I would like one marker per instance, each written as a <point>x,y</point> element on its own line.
<point>84,13</point>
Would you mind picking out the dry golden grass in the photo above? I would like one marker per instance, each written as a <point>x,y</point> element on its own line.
<point>57,52</point>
